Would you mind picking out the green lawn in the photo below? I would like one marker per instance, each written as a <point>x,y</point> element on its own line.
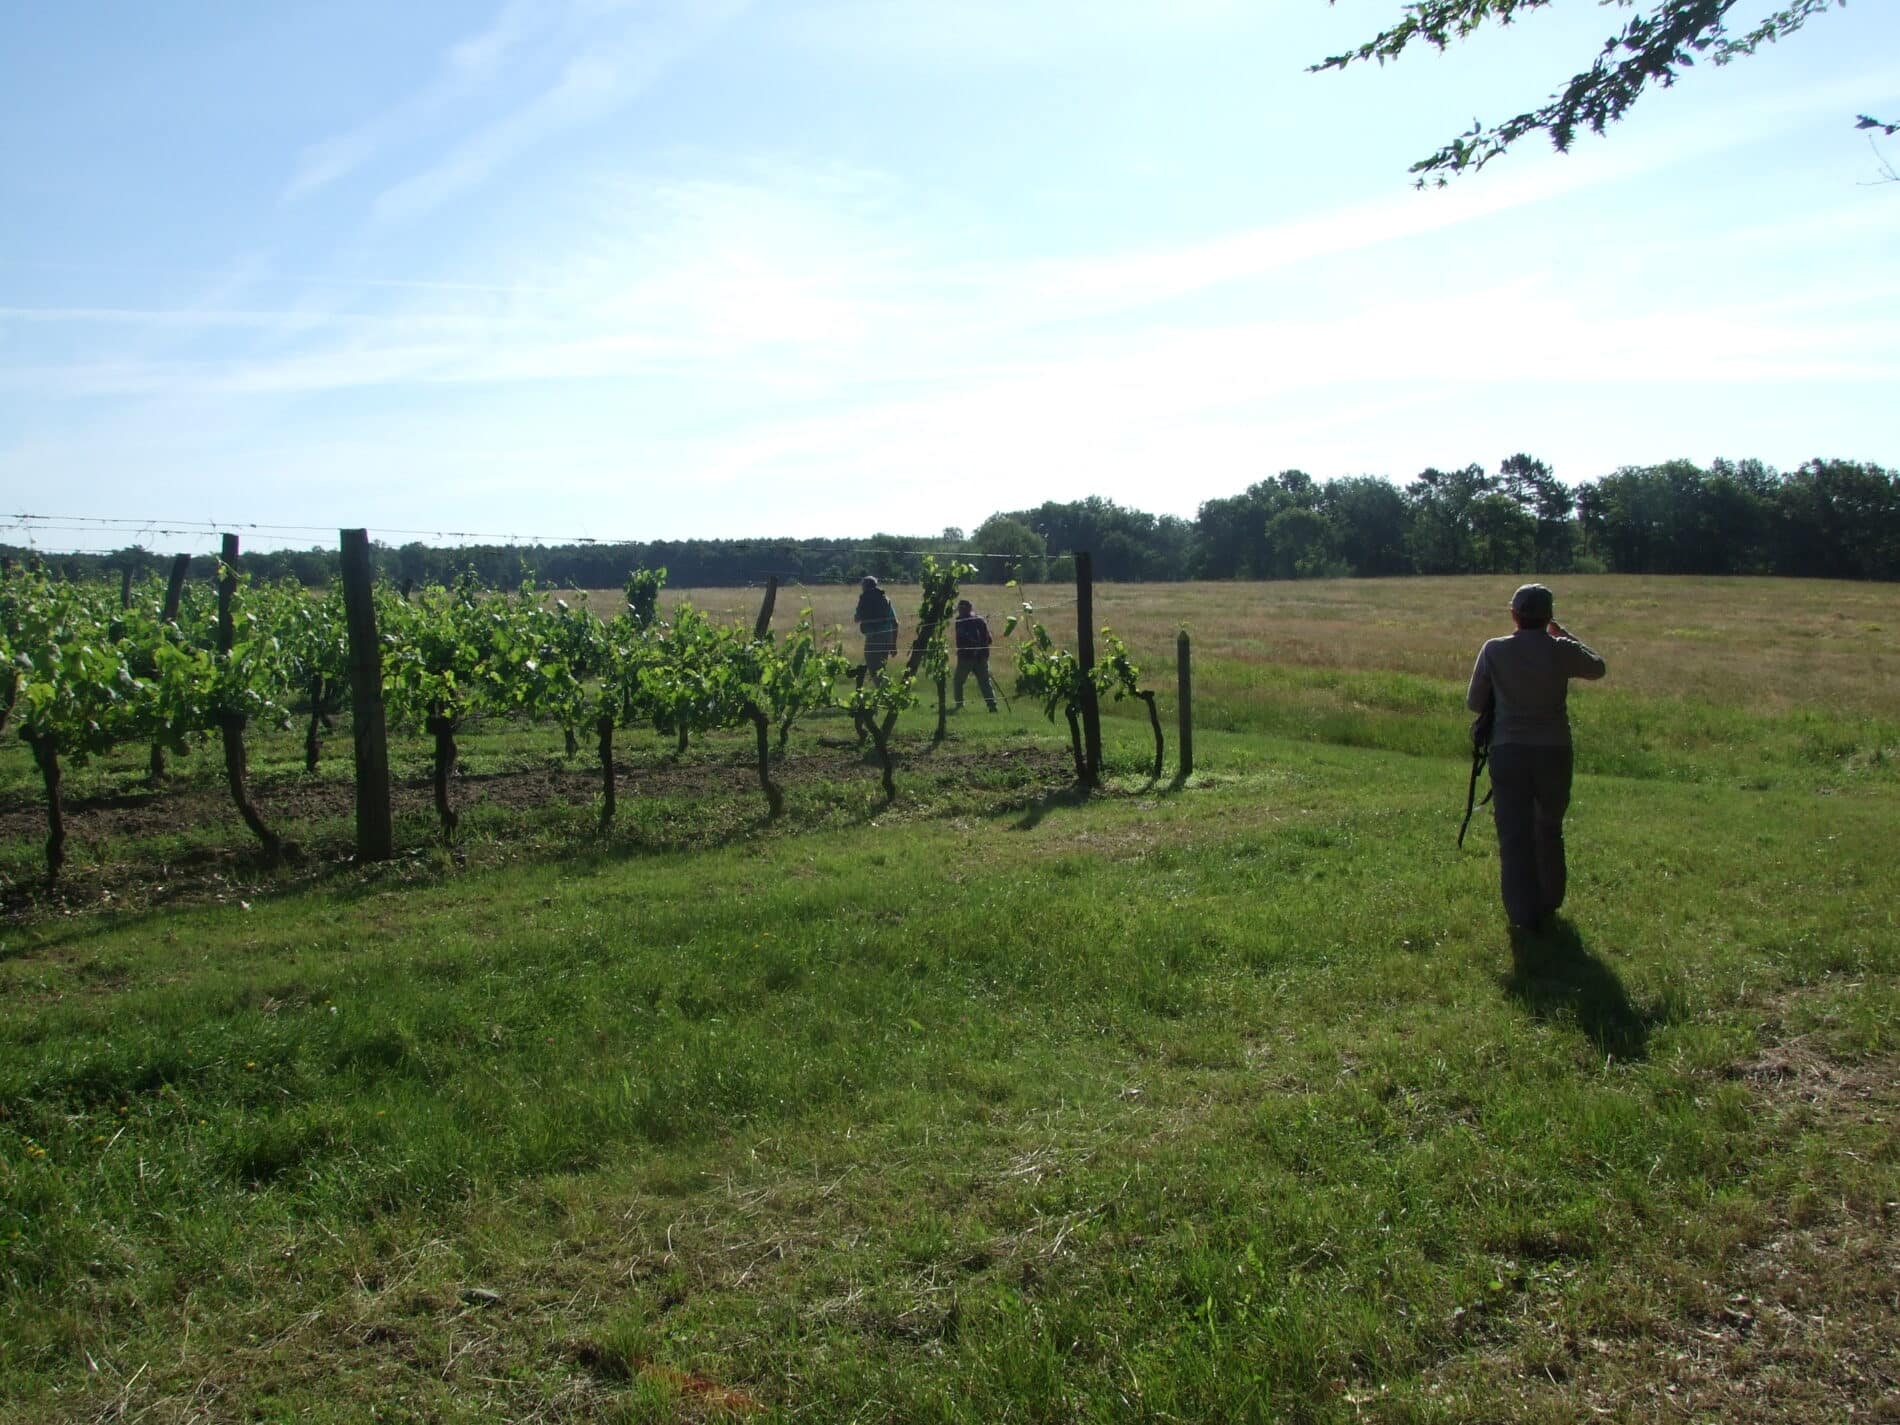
<point>1225,1103</point>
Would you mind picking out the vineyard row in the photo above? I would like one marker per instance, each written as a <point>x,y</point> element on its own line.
<point>89,668</point>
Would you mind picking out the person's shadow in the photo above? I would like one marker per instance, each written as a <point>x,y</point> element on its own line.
<point>1555,977</point>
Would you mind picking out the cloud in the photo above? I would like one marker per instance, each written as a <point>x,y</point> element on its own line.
<point>607,72</point>
<point>466,69</point>
<point>826,284</point>
<point>587,89</point>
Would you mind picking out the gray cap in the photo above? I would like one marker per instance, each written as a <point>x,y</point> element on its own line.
<point>869,581</point>
<point>1534,603</point>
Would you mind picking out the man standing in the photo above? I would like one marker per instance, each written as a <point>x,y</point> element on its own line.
<point>1524,680</point>
<point>973,653</point>
<point>877,621</point>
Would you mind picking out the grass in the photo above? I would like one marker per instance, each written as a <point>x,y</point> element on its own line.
<point>995,1105</point>
<point>1733,679</point>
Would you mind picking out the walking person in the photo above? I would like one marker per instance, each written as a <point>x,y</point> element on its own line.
<point>1524,681</point>
<point>973,654</point>
<point>877,621</point>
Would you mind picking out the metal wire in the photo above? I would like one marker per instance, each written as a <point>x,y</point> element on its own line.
<point>31,524</point>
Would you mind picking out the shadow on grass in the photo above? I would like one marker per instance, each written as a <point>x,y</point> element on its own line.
<point>142,884</point>
<point>1073,795</point>
<point>1556,978</point>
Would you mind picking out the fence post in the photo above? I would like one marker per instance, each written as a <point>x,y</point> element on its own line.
<point>375,836</point>
<point>227,588</point>
<point>1085,655</point>
<point>175,586</point>
<point>764,625</point>
<point>1184,698</point>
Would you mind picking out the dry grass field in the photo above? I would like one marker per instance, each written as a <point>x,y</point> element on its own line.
<point>1759,645</point>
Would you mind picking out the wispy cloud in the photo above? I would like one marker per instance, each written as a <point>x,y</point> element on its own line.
<point>466,69</point>
<point>819,286</point>
<point>607,69</point>
<point>587,89</point>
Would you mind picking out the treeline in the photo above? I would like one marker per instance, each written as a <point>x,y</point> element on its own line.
<point>1833,518</point>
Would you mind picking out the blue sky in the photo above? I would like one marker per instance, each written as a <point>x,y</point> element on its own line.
<point>586,268</point>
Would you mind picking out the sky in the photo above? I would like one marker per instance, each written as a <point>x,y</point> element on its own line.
<point>666,269</point>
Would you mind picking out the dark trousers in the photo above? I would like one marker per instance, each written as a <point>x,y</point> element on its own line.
<point>979,664</point>
<point>1530,791</point>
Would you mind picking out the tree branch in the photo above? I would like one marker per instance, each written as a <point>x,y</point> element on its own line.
<point>1652,48</point>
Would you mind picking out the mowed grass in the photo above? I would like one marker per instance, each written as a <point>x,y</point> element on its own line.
<point>1224,1103</point>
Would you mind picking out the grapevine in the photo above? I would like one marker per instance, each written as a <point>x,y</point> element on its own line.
<point>1054,675</point>
<point>71,690</point>
<point>84,669</point>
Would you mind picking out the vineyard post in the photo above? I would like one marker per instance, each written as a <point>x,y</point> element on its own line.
<point>231,724</point>
<point>1085,655</point>
<point>1184,685</point>
<point>227,586</point>
<point>174,600</point>
<point>116,629</point>
<point>764,625</point>
<point>375,838</point>
<point>175,585</point>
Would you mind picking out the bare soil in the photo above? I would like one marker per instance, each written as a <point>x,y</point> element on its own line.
<point>184,842</point>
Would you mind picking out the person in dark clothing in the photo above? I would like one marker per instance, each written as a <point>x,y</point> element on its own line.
<point>1524,680</point>
<point>973,654</point>
<point>877,621</point>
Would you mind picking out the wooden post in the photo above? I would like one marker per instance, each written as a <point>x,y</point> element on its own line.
<point>175,585</point>
<point>1085,655</point>
<point>116,630</point>
<point>227,587</point>
<point>1184,696</point>
<point>764,625</point>
<point>375,835</point>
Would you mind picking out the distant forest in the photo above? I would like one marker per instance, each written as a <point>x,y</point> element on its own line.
<point>1829,518</point>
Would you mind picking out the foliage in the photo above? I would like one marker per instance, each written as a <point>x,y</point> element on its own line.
<point>1127,544</point>
<point>643,595</point>
<point>1048,674</point>
<point>1651,48</point>
<point>1053,675</point>
<point>1824,517</point>
<point>937,599</point>
<point>800,676</point>
<point>312,634</point>
<point>1009,550</point>
<point>1116,673</point>
<point>71,686</point>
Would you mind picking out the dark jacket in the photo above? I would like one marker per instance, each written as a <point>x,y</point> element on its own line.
<point>973,636</point>
<point>877,621</point>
